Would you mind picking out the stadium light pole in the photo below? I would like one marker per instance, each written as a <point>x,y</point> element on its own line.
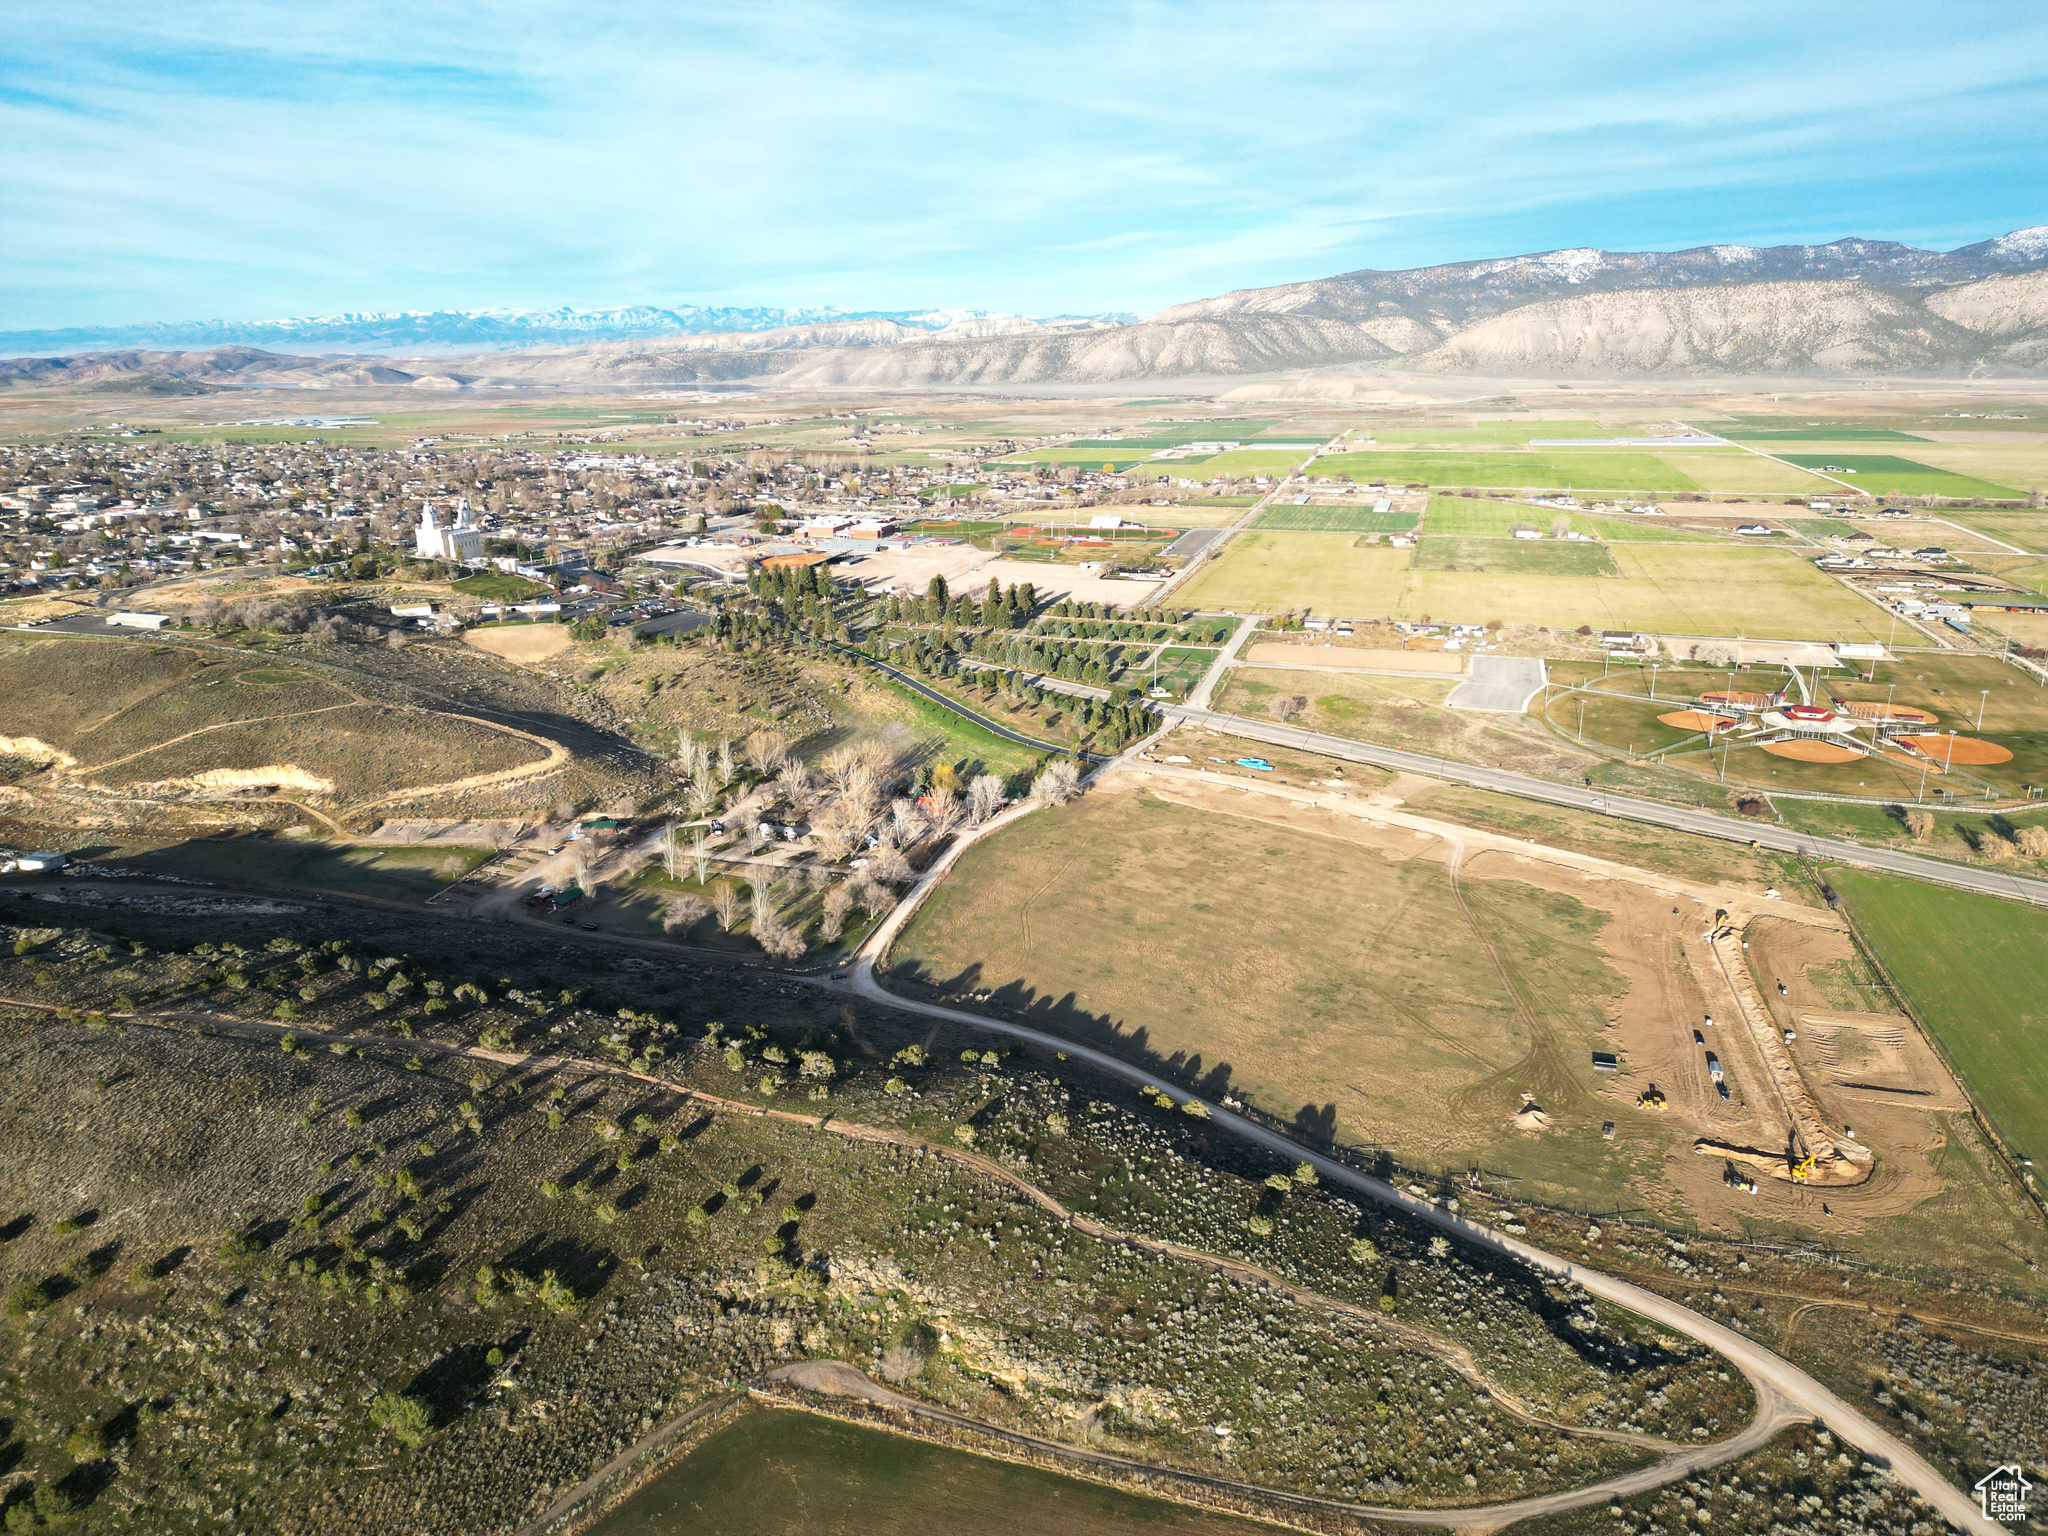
<point>1983,698</point>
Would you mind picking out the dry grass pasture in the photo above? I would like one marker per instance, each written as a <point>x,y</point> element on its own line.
<point>1393,979</point>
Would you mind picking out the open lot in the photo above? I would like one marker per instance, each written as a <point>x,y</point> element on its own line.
<point>1400,980</point>
<point>1660,589</point>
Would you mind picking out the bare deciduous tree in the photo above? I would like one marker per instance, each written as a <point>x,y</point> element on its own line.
<point>1920,824</point>
<point>1287,706</point>
<point>725,901</point>
<point>984,798</point>
<point>890,866</point>
<point>766,752</point>
<point>839,901</point>
<point>943,811</point>
<point>1057,784</point>
<point>684,913</point>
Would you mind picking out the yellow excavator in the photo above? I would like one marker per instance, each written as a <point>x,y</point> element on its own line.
<point>1803,1169</point>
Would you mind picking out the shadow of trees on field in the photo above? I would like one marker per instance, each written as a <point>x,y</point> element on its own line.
<point>1315,1124</point>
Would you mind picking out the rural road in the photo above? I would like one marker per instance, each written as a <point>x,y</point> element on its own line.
<point>1577,797</point>
<point>1781,1386</point>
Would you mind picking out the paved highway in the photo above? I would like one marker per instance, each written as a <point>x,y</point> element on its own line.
<point>1990,882</point>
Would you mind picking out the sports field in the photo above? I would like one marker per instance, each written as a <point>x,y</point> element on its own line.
<point>1601,469</point>
<point>1692,589</point>
<point>1330,518</point>
<point>1975,969</point>
<point>1884,474</point>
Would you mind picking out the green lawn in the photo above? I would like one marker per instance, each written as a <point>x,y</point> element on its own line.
<point>501,587</point>
<point>1528,557</point>
<point>1569,469</point>
<point>1884,474</point>
<point>1976,971</point>
<point>1330,518</point>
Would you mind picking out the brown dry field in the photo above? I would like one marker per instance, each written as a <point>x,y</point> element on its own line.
<point>1429,982</point>
<point>525,644</point>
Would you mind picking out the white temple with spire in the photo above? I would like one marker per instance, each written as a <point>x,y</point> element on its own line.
<point>461,542</point>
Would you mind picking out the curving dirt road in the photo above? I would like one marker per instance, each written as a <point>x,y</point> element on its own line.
<point>1780,1385</point>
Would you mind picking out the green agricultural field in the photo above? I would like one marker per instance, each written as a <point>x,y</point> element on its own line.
<point>1175,434</point>
<point>1507,434</point>
<point>1243,463</point>
<point>1590,469</point>
<point>1336,519</point>
<point>781,1473</point>
<point>1884,474</point>
<point>1975,969</point>
<point>1689,589</point>
<point>1514,557</point>
<point>1769,430</point>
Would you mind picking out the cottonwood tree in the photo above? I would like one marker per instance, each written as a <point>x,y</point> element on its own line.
<point>684,913</point>
<point>1057,784</point>
<point>725,901</point>
<point>985,797</point>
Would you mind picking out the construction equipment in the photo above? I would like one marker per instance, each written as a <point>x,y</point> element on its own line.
<point>1803,1169</point>
<point>1652,1097</point>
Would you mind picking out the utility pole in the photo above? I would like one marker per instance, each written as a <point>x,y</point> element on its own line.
<point>1983,698</point>
<point>1582,719</point>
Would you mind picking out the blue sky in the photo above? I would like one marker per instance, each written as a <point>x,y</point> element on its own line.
<point>242,161</point>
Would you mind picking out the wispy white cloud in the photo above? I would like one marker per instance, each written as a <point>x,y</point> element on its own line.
<point>264,158</point>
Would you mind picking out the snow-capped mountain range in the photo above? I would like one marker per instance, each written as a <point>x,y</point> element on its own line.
<point>491,329</point>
